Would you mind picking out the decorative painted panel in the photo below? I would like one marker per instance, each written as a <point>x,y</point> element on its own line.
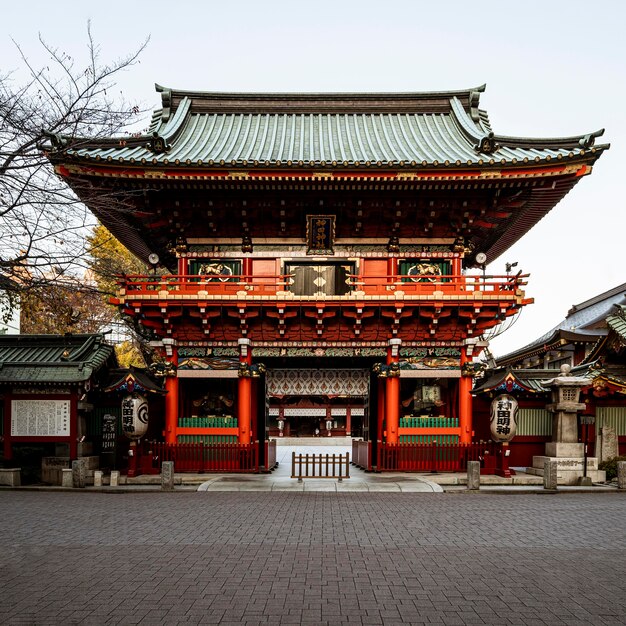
<point>221,270</point>
<point>314,412</point>
<point>420,270</point>
<point>303,382</point>
<point>215,363</point>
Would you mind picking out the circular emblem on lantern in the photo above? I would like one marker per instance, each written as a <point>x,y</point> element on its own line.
<point>504,410</point>
<point>134,416</point>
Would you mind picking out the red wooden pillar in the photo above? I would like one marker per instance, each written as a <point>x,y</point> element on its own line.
<point>348,421</point>
<point>456,270</point>
<point>8,449</point>
<point>254,413</point>
<point>74,426</point>
<point>381,409</point>
<point>392,395</point>
<point>392,268</point>
<point>502,468</point>
<point>183,266</point>
<point>247,270</point>
<point>465,400</point>
<point>171,398</point>
<point>244,396</point>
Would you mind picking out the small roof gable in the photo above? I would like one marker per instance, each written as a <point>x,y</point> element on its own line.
<point>510,381</point>
<point>48,359</point>
<point>614,340</point>
<point>131,379</point>
<point>616,322</point>
<point>585,322</point>
<point>605,378</point>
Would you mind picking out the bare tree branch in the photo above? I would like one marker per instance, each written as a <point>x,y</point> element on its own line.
<point>43,225</point>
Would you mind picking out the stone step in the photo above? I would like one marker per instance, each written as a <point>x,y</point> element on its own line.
<point>570,463</point>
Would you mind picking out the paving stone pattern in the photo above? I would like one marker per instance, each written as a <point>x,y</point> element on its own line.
<point>297,558</point>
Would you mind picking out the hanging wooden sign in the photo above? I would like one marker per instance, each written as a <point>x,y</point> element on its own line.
<point>320,234</point>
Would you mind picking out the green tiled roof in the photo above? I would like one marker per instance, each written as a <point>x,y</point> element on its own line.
<point>617,321</point>
<point>51,358</point>
<point>328,130</point>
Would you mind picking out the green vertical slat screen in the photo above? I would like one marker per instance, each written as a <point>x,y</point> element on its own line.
<point>212,421</point>
<point>207,439</point>
<point>613,416</point>
<point>534,422</point>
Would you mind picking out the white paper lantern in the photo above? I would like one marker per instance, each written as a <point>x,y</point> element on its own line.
<point>504,410</point>
<point>134,416</point>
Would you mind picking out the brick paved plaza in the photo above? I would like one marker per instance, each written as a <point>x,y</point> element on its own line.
<point>294,558</point>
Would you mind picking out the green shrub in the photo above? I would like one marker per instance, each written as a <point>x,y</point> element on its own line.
<point>610,466</point>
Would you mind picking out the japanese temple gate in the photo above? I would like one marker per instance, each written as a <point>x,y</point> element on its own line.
<point>320,255</point>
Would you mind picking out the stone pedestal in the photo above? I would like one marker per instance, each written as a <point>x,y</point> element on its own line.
<point>621,475</point>
<point>115,478</point>
<point>550,474</point>
<point>66,477</point>
<point>52,468</point>
<point>569,469</point>
<point>473,475</point>
<point>97,478</point>
<point>607,446</point>
<point>11,477</point>
<point>78,473</point>
<point>564,450</point>
<point>167,476</point>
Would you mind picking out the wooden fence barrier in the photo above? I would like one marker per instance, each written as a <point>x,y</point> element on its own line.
<point>320,466</point>
<point>433,457</point>
<point>362,454</point>
<point>201,457</point>
<point>270,455</point>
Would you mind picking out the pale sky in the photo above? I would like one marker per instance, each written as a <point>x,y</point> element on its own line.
<point>553,68</point>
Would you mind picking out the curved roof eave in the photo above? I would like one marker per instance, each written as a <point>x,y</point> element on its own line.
<point>167,93</point>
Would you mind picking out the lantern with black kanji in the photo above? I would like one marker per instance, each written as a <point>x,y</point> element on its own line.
<point>504,410</point>
<point>134,416</point>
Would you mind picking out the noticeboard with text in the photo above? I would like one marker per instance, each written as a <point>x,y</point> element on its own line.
<point>40,418</point>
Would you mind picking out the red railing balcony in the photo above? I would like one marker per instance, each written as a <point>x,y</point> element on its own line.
<point>237,286</point>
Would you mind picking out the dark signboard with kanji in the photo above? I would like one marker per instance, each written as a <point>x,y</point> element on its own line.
<point>320,234</point>
<point>109,433</point>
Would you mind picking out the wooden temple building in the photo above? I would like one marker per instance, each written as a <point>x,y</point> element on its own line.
<point>319,258</point>
<point>591,339</point>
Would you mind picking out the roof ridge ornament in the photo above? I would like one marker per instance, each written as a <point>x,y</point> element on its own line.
<point>158,144</point>
<point>487,144</point>
<point>57,141</point>
<point>587,141</point>
<point>474,98</point>
<point>166,101</point>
